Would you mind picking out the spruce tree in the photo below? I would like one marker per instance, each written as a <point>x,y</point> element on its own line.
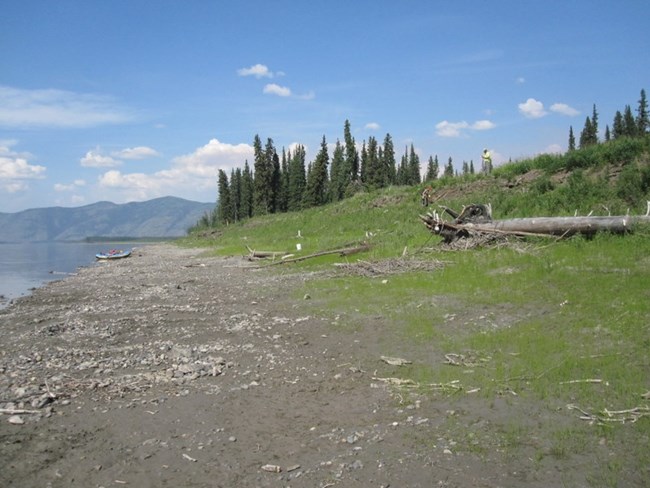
<point>272,162</point>
<point>262,179</point>
<point>630,128</point>
<point>432,168</point>
<point>374,174</point>
<point>608,135</point>
<point>247,190</point>
<point>642,117</point>
<point>338,179</point>
<point>225,204</point>
<point>593,136</point>
<point>363,169</point>
<point>414,167</point>
<point>276,182</point>
<point>372,165</point>
<point>618,129</point>
<point>284,182</point>
<point>586,134</point>
<point>351,156</point>
<point>382,177</point>
<point>235,193</point>
<point>388,162</point>
<point>471,166</point>
<point>572,139</point>
<point>316,190</point>
<point>297,179</point>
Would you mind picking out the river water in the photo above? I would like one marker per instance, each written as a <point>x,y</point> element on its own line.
<point>28,265</point>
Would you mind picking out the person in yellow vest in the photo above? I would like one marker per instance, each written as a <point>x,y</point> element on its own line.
<point>487,161</point>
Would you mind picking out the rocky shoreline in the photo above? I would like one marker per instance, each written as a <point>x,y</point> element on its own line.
<point>171,368</point>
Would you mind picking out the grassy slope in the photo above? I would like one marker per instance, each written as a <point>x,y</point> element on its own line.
<point>528,320</point>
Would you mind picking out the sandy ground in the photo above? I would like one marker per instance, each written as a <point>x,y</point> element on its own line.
<point>170,368</point>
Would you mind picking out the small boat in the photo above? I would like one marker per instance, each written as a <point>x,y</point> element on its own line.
<point>113,254</point>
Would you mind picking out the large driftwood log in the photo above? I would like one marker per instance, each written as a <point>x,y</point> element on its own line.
<point>478,219</point>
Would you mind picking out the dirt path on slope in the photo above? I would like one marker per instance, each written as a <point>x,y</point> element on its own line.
<point>170,368</point>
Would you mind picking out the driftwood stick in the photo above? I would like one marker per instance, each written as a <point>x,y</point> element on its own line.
<point>589,380</point>
<point>342,252</point>
<point>264,254</point>
<point>14,411</point>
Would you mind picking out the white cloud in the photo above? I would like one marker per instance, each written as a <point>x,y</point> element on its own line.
<point>15,186</point>
<point>140,152</point>
<point>273,89</point>
<point>93,159</point>
<point>58,108</point>
<point>192,176</point>
<point>257,70</point>
<point>520,80</point>
<point>372,126</point>
<point>215,155</point>
<point>532,109</point>
<point>564,109</point>
<point>450,129</point>
<point>115,179</point>
<point>483,125</point>
<point>456,129</point>
<point>60,187</point>
<point>17,168</point>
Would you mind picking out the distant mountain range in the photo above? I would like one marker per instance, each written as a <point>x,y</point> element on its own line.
<point>161,218</point>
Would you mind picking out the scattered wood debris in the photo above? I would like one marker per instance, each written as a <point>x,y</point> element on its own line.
<point>606,416</point>
<point>389,266</point>
<point>395,361</point>
<point>345,251</point>
<point>470,360</point>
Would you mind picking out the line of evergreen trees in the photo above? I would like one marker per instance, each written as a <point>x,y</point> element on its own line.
<point>625,125</point>
<point>284,182</point>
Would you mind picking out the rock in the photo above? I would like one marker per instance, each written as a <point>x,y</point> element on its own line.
<point>42,401</point>
<point>356,465</point>
<point>16,420</point>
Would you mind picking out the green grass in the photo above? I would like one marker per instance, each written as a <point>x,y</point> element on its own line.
<point>529,320</point>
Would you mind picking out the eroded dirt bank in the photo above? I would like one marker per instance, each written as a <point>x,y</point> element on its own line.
<point>175,369</point>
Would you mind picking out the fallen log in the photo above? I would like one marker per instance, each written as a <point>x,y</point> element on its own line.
<point>563,226</point>
<point>477,219</point>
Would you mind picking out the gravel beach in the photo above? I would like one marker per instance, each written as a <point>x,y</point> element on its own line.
<point>172,368</point>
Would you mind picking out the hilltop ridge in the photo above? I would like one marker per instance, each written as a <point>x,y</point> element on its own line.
<point>160,217</point>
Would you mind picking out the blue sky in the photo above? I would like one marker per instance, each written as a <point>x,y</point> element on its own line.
<point>131,100</point>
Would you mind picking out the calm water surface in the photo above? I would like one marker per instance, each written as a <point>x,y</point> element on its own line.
<point>26,266</point>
